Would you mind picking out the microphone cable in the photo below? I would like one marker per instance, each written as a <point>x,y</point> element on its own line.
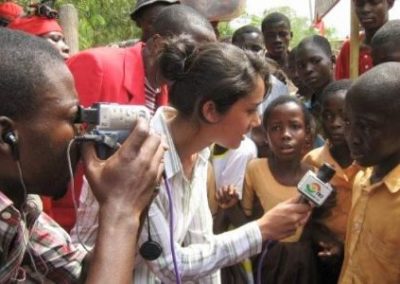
<point>171,230</point>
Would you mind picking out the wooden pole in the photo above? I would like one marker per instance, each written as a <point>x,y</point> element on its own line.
<point>354,43</point>
<point>70,24</point>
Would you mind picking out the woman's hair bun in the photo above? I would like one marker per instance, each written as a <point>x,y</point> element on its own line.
<point>177,56</point>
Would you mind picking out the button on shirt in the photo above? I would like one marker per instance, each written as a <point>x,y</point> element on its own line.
<point>40,240</point>
<point>373,242</point>
<point>199,253</point>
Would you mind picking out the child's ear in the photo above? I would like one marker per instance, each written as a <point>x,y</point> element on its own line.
<point>390,4</point>
<point>210,113</point>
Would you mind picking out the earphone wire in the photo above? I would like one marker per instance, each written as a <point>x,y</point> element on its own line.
<point>267,245</point>
<point>72,188</point>
<point>27,236</point>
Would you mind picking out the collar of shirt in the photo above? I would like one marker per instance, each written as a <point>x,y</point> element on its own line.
<point>172,162</point>
<point>391,180</point>
<point>12,216</point>
<point>346,173</point>
<point>4,202</point>
<point>8,213</point>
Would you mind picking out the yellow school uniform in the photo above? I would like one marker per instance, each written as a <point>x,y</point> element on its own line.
<point>342,182</point>
<point>259,182</point>
<point>373,233</point>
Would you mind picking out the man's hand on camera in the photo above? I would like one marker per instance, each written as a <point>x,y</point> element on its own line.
<point>127,179</point>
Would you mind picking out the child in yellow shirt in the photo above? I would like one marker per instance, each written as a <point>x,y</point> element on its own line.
<point>286,124</point>
<point>336,153</point>
<point>373,135</point>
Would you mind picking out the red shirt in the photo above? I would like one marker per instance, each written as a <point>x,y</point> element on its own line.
<point>110,74</point>
<point>343,61</point>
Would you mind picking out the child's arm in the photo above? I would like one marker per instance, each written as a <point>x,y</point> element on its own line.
<point>228,200</point>
<point>328,246</point>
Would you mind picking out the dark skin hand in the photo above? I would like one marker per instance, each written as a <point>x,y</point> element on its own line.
<point>121,207</point>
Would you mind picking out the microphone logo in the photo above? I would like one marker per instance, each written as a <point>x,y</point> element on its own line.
<point>314,189</point>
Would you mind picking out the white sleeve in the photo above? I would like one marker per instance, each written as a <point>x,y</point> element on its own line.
<point>235,166</point>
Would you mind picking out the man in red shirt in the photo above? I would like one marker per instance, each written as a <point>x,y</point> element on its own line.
<point>130,76</point>
<point>372,15</point>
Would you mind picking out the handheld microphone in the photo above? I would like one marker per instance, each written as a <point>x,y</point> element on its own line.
<point>315,187</point>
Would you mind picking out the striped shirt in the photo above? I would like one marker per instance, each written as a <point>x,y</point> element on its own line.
<point>35,249</point>
<point>151,96</point>
<point>200,254</point>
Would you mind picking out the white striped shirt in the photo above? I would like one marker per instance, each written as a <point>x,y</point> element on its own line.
<point>151,95</point>
<point>200,254</point>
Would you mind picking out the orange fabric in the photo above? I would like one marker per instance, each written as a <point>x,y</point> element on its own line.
<point>260,183</point>
<point>342,182</point>
<point>372,241</point>
<point>35,25</point>
<point>10,11</point>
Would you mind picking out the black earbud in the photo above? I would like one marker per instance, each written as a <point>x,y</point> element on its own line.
<point>11,139</point>
<point>150,250</point>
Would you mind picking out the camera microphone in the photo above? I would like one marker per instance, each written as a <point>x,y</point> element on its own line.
<point>110,124</point>
<point>315,187</point>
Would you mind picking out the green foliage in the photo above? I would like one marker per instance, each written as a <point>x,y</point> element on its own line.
<point>301,26</point>
<point>225,30</point>
<point>102,21</point>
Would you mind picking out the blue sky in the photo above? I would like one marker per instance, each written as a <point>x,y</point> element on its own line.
<point>339,17</point>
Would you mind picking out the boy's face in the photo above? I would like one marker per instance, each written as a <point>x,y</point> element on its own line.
<point>372,139</point>
<point>292,72</point>
<point>276,38</point>
<point>251,41</point>
<point>286,131</point>
<point>385,53</point>
<point>146,20</point>
<point>372,14</point>
<point>333,119</point>
<point>314,66</point>
<point>258,136</point>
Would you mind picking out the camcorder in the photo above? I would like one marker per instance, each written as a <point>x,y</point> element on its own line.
<point>109,125</point>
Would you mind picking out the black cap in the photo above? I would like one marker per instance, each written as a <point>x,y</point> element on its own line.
<point>326,172</point>
<point>143,3</point>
